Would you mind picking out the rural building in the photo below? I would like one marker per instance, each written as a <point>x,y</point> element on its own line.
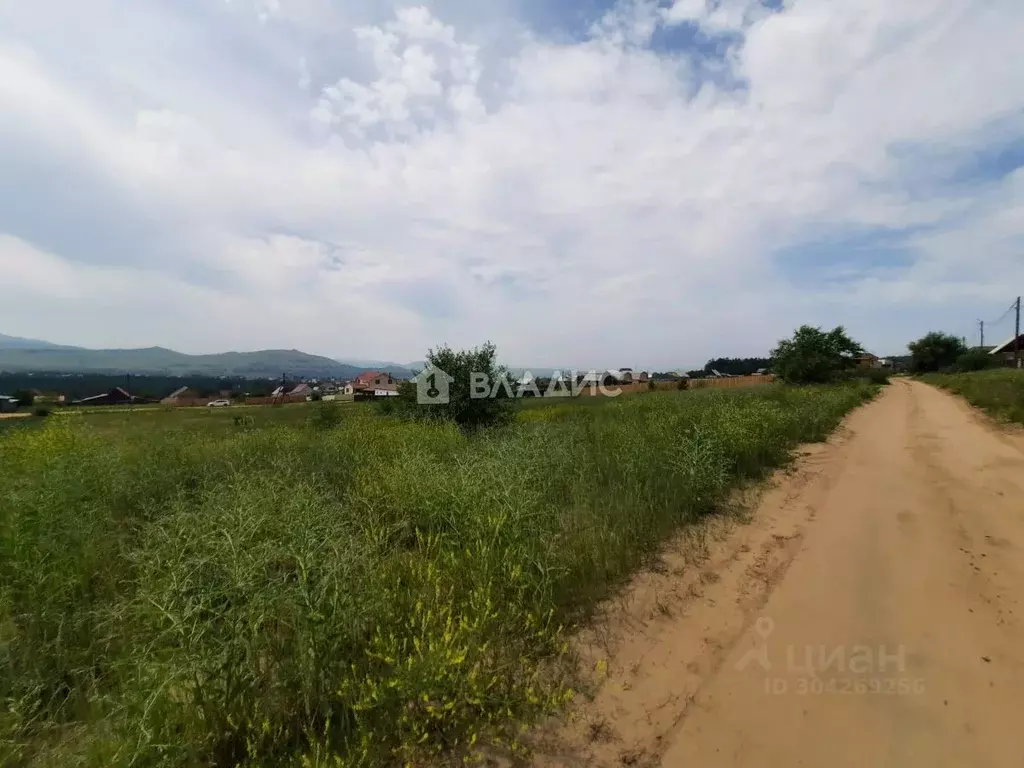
<point>372,384</point>
<point>373,392</point>
<point>373,379</point>
<point>629,376</point>
<point>116,396</point>
<point>1005,351</point>
<point>868,360</point>
<point>8,404</point>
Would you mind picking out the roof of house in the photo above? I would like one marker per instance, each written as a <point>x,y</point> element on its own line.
<point>178,392</point>
<point>1006,345</point>
<point>117,390</point>
<point>367,376</point>
<point>301,389</point>
<point>368,387</point>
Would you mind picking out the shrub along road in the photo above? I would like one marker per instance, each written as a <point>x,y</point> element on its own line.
<point>871,614</point>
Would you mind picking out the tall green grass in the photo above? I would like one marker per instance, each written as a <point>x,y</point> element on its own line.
<point>347,592</point>
<point>999,392</point>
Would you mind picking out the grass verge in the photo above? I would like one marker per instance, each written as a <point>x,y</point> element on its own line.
<point>1000,393</point>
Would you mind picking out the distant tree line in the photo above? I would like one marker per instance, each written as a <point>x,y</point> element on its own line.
<point>77,386</point>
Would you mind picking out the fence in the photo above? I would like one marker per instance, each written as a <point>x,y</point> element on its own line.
<point>737,381</point>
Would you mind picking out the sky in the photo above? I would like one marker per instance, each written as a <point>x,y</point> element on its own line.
<point>588,182</point>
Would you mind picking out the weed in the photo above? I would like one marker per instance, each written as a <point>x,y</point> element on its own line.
<point>176,591</point>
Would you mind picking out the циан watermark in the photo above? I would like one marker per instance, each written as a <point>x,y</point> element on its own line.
<point>822,669</point>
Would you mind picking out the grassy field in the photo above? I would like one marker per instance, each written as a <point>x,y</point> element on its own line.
<point>325,586</point>
<point>999,392</point>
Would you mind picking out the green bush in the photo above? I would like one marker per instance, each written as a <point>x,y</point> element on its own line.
<point>462,407</point>
<point>876,375</point>
<point>42,412</point>
<point>935,352</point>
<point>813,356</point>
<point>976,360</point>
<point>380,592</point>
<point>328,414</point>
<point>25,398</point>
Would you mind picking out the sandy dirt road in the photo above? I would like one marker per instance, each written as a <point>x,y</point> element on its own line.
<point>871,614</point>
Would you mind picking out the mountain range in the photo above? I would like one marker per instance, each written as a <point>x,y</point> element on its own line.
<point>24,355</point>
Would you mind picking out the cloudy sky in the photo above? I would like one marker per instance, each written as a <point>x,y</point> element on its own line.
<point>584,182</point>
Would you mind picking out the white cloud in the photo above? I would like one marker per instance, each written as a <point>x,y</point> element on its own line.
<point>596,201</point>
<point>425,76</point>
<point>714,16</point>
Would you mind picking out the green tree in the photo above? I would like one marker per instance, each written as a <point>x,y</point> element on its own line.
<point>463,408</point>
<point>934,352</point>
<point>976,360</point>
<point>25,398</point>
<point>813,356</point>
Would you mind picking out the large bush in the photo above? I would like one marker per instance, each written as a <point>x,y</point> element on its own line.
<point>468,411</point>
<point>935,352</point>
<point>25,398</point>
<point>813,356</point>
<point>976,360</point>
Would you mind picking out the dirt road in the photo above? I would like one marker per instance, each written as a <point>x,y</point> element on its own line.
<point>871,614</point>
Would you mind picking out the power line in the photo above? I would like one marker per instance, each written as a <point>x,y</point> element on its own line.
<point>1016,337</point>
<point>1009,309</point>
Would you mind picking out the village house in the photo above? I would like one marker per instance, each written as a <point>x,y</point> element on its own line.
<point>373,379</point>
<point>372,384</point>
<point>868,360</point>
<point>1006,351</point>
<point>116,396</point>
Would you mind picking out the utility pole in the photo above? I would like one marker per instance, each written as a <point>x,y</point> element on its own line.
<point>981,324</point>
<point>1016,337</point>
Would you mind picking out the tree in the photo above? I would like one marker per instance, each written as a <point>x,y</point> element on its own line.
<point>25,398</point>
<point>467,411</point>
<point>813,356</point>
<point>976,360</point>
<point>934,352</point>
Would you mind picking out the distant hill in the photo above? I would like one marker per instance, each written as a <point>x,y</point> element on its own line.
<point>157,360</point>
<point>16,342</point>
<point>400,370</point>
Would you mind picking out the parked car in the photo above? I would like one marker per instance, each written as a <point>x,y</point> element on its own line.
<point>219,404</point>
